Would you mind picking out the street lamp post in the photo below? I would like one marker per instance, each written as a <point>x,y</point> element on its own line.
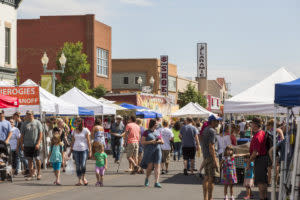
<point>62,61</point>
<point>140,81</point>
<point>152,82</point>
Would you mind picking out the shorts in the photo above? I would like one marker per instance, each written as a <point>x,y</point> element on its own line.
<point>100,170</point>
<point>31,152</point>
<point>188,153</point>
<point>248,182</point>
<point>132,150</point>
<point>56,166</point>
<point>165,156</point>
<point>209,168</point>
<point>261,170</point>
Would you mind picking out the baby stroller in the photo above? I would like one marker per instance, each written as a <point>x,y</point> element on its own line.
<point>5,162</point>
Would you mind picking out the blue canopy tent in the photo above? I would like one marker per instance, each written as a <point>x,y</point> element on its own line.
<point>141,111</point>
<point>84,111</point>
<point>288,95</point>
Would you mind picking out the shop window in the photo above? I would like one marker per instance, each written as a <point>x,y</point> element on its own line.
<point>7,45</point>
<point>125,80</point>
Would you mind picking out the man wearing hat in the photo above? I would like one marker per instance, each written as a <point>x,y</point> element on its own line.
<point>117,128</point>
<point>31,138</point>
<point>210,157</point>
<point>5,128</point>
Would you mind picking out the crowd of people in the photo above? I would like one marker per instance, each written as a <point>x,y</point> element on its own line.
<point>146,150</point>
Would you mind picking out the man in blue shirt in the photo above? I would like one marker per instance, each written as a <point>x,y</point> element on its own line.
<point>5,128</point>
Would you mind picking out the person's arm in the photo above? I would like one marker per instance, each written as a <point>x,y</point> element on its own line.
<point>9,134</point>
<point>105,163</point>
<point>252,158</point>
<point>280,132</point>
<point>72,143</point>
<point>49,155</point>
<point>197,142</point>
<point>160,141</point>
<point>87,135</point>
<point>37,147</point>
<point>144,142</point>
<point>213,154</point>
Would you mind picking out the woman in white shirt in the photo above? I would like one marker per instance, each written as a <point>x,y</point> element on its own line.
<point>81,149</point>
<point>14,147</point>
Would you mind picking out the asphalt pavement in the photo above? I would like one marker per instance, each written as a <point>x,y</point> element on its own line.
<point>120,185</point>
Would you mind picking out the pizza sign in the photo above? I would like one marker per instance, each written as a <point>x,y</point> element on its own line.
<point>164,75</point>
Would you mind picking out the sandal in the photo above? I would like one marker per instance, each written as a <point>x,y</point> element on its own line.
<point>85,182</point>
<point>78,184</point>
<point>97,184</point>
<point>39,177</point>
<point>29,179</point>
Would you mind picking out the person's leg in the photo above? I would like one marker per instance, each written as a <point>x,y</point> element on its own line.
<point>231,190</point>
<point>14,162</point>
<point>269,175</point>
<point>225,190</point>
<point>180,150</point>
<point>117,152</point>
<point>261,189</point>
<point>176,150</point>
<point>83,165</point>
<point>149,170</point>
<point>38,167</point>
<point>210,187</point>
<point>205,188</point>
<point>30,167</point>
<point>156,172</point>
<point>113,148</point>
<point>248,192</point>
<point>192,165</point>
<point>76,157</point>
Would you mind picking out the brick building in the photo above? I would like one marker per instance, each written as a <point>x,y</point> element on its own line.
<point>126,73</point>
<point>49,33</point>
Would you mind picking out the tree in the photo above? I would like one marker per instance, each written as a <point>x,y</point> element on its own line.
<point>191,95</point>
<point>98,92</point>
<point>76,66</point>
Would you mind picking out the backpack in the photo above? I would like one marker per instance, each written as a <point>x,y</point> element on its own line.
<point>268,141</point>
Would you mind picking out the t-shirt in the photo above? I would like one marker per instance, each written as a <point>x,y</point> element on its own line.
<point>31,130</point>
<point>56,155</point>
<point>208,137</point>
<point>134,133</point>
<point>250,172</point>
<point>80,143</point>
<point>242,126</point>
<point>258,143</point>
<point>167,135</point>
<point>233,140</point>
<point>176,135</point>
<point>100,159</point>
<point>5,128</point>
<point>223,142</point>
<point>188,133</point>
<point>117,128</point>
<point>14,138</point>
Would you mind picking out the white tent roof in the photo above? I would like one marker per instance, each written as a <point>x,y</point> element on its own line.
<point>258,99</point>
<point>190,110</point>
<point>81,99</point>
<point>61,107</point>
<point>111,104</point>
<point>204,110</point>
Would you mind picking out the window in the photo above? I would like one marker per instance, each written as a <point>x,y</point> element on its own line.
<point>7,45</point>
<point>172,84</point>
<point>102,62</point>
<point>126,80</point>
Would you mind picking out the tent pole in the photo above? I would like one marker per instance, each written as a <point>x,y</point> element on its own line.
<point>287,141</point>
<point>281,180</point>
<point>274,156</point>
<point>295,163</point>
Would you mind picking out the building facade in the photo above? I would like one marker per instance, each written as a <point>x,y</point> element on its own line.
<point>182,84</point>
<point>49,33</point>
<point>126,73</point>
<point>8,40</point>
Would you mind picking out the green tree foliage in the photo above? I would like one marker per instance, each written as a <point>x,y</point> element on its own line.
<point>76,66</point>
<point>191,95</point>
<point>98,92</point>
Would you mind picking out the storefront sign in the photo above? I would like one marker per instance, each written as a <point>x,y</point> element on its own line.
<point>27,95</point>
<point>164,75</point>
<point>201,60</point>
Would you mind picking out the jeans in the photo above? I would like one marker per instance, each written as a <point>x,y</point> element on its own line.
<point>80,158</point>
<point>15,160</point>
<point>23,160</point>
<point>116,149</point>
<point>177,149</point>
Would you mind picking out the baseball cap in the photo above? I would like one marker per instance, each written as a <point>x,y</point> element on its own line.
<point>119,117</point>
<point>214,118</point>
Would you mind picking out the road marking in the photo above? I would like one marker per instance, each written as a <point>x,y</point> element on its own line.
<point>58,190</point>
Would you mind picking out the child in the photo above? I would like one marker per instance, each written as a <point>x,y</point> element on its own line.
<point>56,154</point>
<point>14,140</point>
<point>101,162</point>
<point>248,180</point>
<point>229,171</point>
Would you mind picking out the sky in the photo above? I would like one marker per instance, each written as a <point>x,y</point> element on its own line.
<point>247,39</point>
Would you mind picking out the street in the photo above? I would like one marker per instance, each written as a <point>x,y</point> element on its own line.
<point>122,185</point>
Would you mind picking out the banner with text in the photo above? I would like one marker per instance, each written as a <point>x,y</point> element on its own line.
<point>164,75</point>
<point>201,60</point>
<point>27,95</point>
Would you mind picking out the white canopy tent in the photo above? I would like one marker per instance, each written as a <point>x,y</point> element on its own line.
<point>111,103</point>
<point>81,99</point>
<point>190,110</point>
<point>258,99</point>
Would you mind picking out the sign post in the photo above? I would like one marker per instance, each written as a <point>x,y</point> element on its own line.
<point>164,75</point>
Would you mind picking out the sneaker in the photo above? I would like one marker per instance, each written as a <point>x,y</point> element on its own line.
<point>185,172</point>
<point>162,172</point>
<point>157,185</point>
<point>146,182</point>
<point>226,197</point>
<point>246,197</point>
<point>97,184</point>
<point>232,197</point>
<point>101,184</point>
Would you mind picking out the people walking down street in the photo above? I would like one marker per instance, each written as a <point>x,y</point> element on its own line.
<point>30,141</point>
<point>248,179</point>
<point>17,120</point>
<point>64,131</point>
<point>229,172</point>
<point>177,141</point>
<point>190,144</point>
<point>132,135</point>
<point>56,154</point>
<point>81,149</point>
<point>211,164</point>
<point>117,128</point>
<point>101,163</point>
<point>258,154</point>
<point>5,128</point>
<point>141,149</point>
<point>152,141</point>
<point>14,145</point>
<point>167,137</point>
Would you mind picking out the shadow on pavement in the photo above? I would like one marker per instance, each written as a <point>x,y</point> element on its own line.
<point>182,179</point>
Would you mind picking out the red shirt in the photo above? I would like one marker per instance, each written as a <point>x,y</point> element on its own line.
<point>233,140</point>
<point>134,133</point>
<point>258,143</point>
